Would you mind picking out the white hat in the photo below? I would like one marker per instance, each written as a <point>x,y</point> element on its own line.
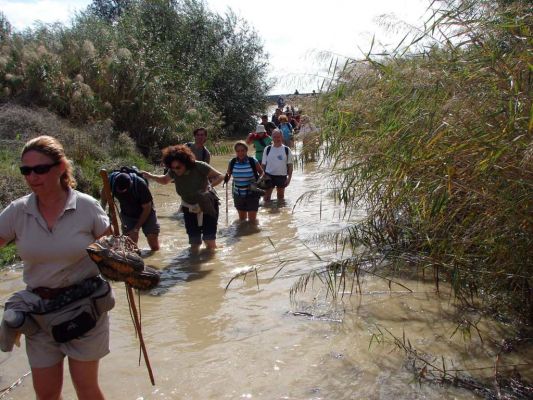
<point>260,129</point>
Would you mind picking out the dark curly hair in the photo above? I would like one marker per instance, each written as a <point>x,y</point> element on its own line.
<point>179,153</point>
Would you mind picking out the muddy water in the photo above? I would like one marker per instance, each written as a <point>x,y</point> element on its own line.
<point>251,341</point>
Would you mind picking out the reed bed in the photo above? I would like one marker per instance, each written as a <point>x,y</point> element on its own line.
<point>435,140</point>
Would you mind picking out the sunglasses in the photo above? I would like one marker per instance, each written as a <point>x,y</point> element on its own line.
<point>40,169</point>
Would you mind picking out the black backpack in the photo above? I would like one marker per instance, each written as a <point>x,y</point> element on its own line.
<point>252,164</point>
<point>134,174</point>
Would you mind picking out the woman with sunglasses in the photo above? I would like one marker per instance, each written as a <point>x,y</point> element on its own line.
<point>193,180</point>
<point>51,227</point>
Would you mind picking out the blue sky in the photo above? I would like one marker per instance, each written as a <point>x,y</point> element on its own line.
<point>300,36</point>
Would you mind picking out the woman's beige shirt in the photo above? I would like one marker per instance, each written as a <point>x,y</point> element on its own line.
<point>57,257</point>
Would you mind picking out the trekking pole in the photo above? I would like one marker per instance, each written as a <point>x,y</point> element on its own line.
<point>226,203</point>
<point>129,289</point>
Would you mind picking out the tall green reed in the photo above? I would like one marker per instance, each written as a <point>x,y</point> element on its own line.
<point>435,139</point>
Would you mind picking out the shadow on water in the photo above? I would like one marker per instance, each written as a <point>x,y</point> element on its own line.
<point>275,206</point>
<point>185,267</point>
<point>175,216</point>
<point>238,229</point>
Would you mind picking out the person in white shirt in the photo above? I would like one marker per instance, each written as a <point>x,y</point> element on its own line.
<point>277,164</point>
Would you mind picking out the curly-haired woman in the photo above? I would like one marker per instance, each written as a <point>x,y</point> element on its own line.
<point>193,180</point>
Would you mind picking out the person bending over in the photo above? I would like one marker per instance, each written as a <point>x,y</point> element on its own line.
<point>136,207</point>
<point>194,181</point>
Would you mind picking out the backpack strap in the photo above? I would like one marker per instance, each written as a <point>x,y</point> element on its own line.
<point>269,147</point>
<point>232,164</point>
<point>254,167</point>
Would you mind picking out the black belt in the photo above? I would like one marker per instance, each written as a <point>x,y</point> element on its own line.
<point>52,293</point>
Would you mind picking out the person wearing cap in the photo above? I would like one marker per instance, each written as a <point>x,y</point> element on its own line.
<point>260,140</point>
<point>136,207</point>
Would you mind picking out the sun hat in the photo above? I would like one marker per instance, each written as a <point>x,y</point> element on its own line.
<point>260,129</point>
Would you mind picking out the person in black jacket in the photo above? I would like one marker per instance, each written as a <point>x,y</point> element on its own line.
<point>136,207</point>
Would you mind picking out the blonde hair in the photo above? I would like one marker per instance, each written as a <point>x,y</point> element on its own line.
<point>50,147</point>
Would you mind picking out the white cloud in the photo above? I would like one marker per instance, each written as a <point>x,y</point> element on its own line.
<point>294,32</point>
<point>22,14</point>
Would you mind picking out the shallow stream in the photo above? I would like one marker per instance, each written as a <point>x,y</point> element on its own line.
<point>251,341</point>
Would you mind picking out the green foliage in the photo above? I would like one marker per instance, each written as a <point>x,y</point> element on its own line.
<point>436,140</point>
<point>91,148</point>
<point>8,255</point>
<point>158,69</point>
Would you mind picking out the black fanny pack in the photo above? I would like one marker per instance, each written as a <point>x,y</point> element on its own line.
<point>76,311</point>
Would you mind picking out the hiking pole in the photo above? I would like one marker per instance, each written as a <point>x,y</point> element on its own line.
<point>129,290</point>
<point>226,203</point>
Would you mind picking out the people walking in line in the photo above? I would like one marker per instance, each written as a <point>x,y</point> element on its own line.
<point>278,166</point>
<point>287,131</point>
<point>275,117</point>
<point>245,171</point>
<point>51,227</point>
<point>198,146</point>
<point>136,207</point>
<point>260,140</point>
<point>292,121</point>
<point>194,181</point>
<point>269,126</point>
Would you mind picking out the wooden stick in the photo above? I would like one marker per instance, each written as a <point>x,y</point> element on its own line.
<point>129,290</point>
<point>111,204</point>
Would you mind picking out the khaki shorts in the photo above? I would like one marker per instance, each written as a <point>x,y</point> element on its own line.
<point>43,351</point>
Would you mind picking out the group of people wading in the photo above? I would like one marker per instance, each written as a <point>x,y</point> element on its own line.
<point>53,225</point>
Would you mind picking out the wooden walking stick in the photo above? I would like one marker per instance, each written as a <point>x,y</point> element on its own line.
<point>129,290</point>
